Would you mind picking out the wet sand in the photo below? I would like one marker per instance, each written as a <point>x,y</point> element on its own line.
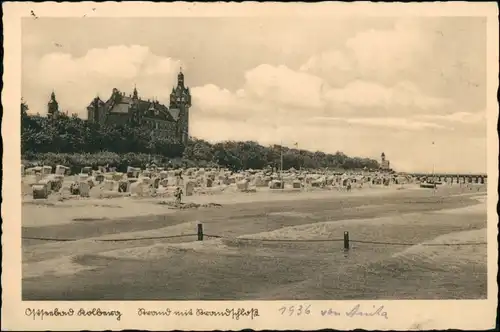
<point>242,266</point>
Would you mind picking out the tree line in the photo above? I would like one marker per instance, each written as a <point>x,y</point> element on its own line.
<point>72,141</point>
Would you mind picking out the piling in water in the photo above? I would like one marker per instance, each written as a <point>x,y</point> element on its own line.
<point>346,240</point>
<point>200,231</point>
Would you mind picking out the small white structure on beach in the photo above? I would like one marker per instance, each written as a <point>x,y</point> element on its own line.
<point>83,177</point>
<point>38,177</point>
<point>117,176</point>
<point>110,185</point>
<point>145,181</point>
<point>189,188</point>
<point>40,191</point>
<point>84,189</point>
<point>98,176</point>
<point>123,186</point>
<point>242,185</point>
<point>137,188</point>
<point>61,170</point>
<point>275,184</point>
<point>46,170</point>
<point>133,172</point>
<point>86,170</point>
<point>33,170</point>
<point>261,181</point>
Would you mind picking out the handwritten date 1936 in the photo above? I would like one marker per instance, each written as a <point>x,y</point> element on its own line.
<point>295,310</point>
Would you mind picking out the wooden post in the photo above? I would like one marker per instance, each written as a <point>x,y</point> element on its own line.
<point>200,231</point>
<point>346,240</point>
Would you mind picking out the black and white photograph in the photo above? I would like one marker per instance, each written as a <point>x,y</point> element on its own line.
<point>255,158</point>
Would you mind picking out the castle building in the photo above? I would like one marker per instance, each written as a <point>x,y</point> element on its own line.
<point>120,109</point>
<point>384,163</point>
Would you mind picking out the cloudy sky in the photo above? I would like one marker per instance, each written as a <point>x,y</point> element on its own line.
<point>360,86</point>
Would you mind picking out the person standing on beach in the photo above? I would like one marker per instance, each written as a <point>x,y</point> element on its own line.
<point>178,195</point>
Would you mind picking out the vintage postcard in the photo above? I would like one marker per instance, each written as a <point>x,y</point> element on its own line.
<point>228,166</point>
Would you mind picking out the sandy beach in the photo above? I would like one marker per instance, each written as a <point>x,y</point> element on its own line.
<point>260,254</point>
<point>53,212</point>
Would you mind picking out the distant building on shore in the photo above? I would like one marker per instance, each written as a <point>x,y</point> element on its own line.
<point>52,106</point>
<point>384,163</point>
<point>120,109</point>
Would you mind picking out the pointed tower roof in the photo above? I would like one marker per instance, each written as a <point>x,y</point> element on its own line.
<point>135,94</point>
<point>96,100</point>
<point>180,79</point>
<point>53,97</point>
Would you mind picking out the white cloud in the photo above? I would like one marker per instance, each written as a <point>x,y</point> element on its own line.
<point>213,100</point>
<point>284,86</point>
<point>76,80</point>
<point>278,92</point>
<point>269,94</point>
<point>460,117</point>
<point>368,94</point>
<point>388,52</point>
<point>381,55</point>
<point>116,61</point>
<point>329,60</point>
<point>375,69</point>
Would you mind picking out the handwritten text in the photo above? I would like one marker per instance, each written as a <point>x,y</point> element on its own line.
<point>95,312</point>
<point>232,313</point>
<point>357,311</point>
<point>295,310</point>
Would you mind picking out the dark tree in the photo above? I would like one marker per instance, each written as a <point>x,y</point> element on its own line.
<point>73,141</point>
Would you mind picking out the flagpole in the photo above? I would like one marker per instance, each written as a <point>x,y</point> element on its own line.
<point>298,151</point>
<point>281,164</point>
<point>434,167</point>
<point>433,158</point>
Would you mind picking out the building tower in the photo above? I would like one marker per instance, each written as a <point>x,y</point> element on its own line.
<point>136,94</point>
<point>384,163</point>
<point>180,99</point>
<point>52,106</point>
<point>95,111</point>
<point>134,105</point>
<point>180,78</point>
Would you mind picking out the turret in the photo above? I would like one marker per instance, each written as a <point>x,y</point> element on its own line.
<point>180,99</point>
<point>53,105</point>
<point>135,94</point>
<point>180,79</point>
<point>94,110</point>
